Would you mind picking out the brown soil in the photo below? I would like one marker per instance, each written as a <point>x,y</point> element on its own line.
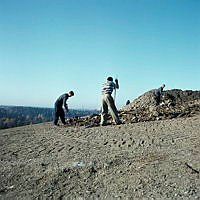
<point>174,104</point>
<point>155,154</point>
<point>146,160</point>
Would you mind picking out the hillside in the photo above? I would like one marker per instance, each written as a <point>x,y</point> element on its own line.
<point>155,154</point>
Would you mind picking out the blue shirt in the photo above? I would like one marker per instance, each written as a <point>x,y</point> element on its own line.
<point>62,100</point>
<point>159,91</point>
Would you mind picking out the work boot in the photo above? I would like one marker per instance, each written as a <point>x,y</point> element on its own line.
<point>117,123</point>
<point>103,124</point>
<point>56,124</point>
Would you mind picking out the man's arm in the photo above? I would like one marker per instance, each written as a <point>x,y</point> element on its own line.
<point>161,91</point>
<point>65,104</point>
<point>117,84</point>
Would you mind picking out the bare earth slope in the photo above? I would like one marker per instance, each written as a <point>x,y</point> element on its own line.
<point>146,160</point>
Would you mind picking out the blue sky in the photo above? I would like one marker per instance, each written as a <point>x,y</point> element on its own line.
<point>48,47</point>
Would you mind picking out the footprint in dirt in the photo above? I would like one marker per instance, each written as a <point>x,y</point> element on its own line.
<point>124,142</point>
<point>114,141</point>
<point>71,148</point>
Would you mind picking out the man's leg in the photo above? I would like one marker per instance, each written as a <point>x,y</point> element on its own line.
<point>104,112</point>
<point>56,116</point>
<point>157,100</point>
<point>62,116</point>
<point>113,109</point>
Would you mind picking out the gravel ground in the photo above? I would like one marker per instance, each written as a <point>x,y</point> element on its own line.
<point>147,160</point>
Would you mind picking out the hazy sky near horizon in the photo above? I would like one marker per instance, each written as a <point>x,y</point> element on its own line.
<point>48,47</point>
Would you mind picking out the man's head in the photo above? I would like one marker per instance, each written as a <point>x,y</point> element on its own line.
<point>109,79</point>
<point>163,85</point>
<point>71,93</point>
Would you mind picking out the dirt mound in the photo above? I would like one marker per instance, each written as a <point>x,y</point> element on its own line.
<point>169,96</point>
<point>142,101</point>
<point>174,103</point>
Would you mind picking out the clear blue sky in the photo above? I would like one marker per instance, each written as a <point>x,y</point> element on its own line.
<point>48,47</point>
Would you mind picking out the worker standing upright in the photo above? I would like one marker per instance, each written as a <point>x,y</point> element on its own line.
<point>108,101</point>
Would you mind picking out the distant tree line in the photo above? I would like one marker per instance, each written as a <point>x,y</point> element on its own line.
<point>13,116</point>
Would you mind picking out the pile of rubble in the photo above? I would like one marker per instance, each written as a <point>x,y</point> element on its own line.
<point>174,103</point>
<point>170,96</point>
<point>88,121</point>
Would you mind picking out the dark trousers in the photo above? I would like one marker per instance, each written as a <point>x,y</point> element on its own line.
<point>157,99</point>
<point>59,112</point>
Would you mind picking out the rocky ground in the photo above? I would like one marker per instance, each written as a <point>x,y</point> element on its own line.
<point>174,104</point>
<point>147,160</point>
<point>150,159</point>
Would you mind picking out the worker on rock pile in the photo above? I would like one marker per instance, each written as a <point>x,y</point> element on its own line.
<point>158,93</point>
<point>59,112</point>
<point>108,101</point>
<point>128,102</point>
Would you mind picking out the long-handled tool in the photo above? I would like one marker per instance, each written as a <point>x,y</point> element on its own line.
<point>115,91</point>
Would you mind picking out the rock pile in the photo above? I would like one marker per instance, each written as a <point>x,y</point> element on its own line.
<point>170,96</point>
<point>88,121</point>
<point>174,103</point>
